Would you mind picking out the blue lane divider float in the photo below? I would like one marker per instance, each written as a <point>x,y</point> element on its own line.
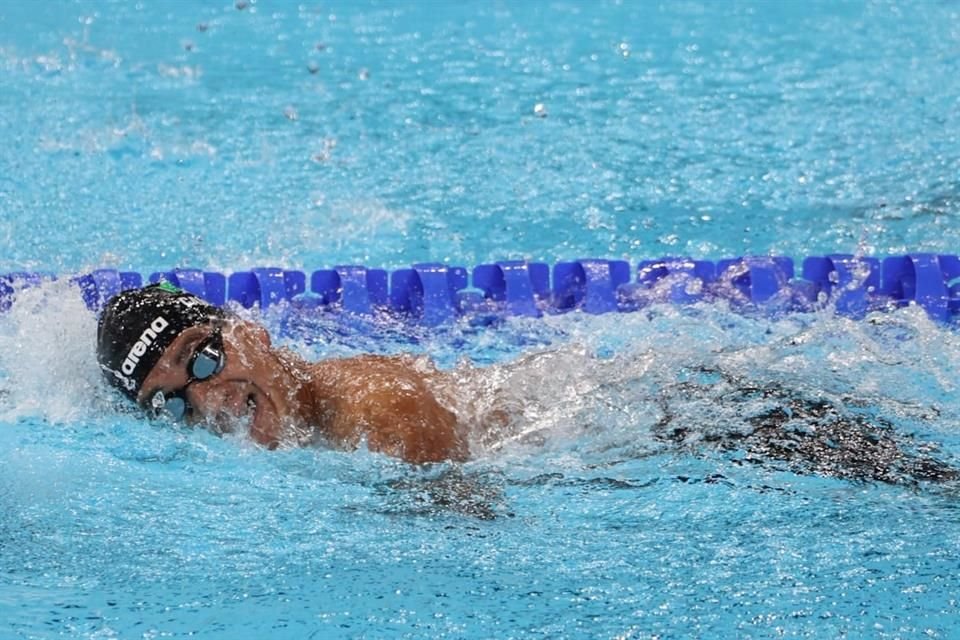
<point>523,288</point>
<point>590,285</point>
<point>929,280</point>
<point>264,287</point>
<point>686,280</point>
<point>435,294</point>
<point>428,292</point>
<point>755,279</point>
<point>209,285</point>
<point>850,281</point>
<point>98,286</point>
<point>354,288</point>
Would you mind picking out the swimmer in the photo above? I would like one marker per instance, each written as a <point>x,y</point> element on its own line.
<point>180,358</point>
<point>183,359</point>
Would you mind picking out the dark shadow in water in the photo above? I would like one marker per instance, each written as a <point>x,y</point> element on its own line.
<point>478,495</point>
<point>811,435</point>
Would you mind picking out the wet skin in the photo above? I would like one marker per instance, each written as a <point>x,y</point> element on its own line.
<point>382,401</point>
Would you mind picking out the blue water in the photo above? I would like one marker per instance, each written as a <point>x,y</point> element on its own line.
<point>153,135</point>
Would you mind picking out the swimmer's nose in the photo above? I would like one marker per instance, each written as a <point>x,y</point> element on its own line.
<point>212,399</point>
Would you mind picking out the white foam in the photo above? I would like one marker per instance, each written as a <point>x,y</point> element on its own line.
<point>48,355</point>
<point>620,374</point>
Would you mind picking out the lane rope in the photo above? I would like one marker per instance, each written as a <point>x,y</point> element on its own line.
<point>434,294</point>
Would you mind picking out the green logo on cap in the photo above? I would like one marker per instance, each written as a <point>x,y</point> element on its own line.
<point>169,288</point>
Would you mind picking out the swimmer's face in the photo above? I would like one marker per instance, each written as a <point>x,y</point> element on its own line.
<point>248,389</point>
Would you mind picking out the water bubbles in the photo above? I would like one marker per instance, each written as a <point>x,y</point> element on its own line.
<point>324,155</point>
<point>186,72</point>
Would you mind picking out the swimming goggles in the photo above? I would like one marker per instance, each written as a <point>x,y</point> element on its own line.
<point>207,361</point>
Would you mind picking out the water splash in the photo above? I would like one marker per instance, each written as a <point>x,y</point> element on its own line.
<point>608,391</point>
<point>586,389</point>
<point>47,355</point>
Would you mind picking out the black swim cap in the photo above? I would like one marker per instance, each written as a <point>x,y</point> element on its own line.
<point>137,325</point>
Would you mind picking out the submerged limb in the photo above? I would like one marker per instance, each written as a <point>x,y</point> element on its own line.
<point>452,490</point>
<point>770,423</point>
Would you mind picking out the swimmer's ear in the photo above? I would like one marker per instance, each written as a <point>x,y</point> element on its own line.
<point>253,331</point>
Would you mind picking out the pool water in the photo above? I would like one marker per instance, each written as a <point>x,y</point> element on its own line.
<point>153,135</point>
